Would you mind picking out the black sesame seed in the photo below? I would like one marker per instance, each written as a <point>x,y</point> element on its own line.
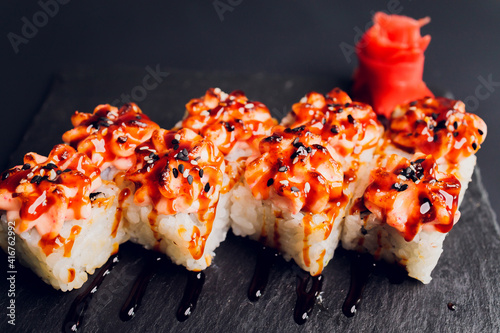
<point>403,187</point>
<point>197,158</point>
<point>413,103</point>
<point>229,127</point>
<point>207,187</point>
<point>176,147</point>
<point>435,115</point>
<point>455,134</point>
<point>480,132</point>
<point>440,125</point>
<point>182,157</point>
<point>309,149</point>
<point>474,146</point>
<point>340,110</point>
<point>175,142</point>
<point>185,152</point>
<point>294,189</point>
<point>299,129</point>
<point>347,105</point>
<point>200,173</point>
<point>350,119</point>
<point>26,166</point>
<point>190,179</point>
<point>435,138</point>
<point>181,168</point>
<point>363,230</point>
<point>37,179</point>
<point>323,121</point>
<point>451,306</point>
<point>5,175</point>
<point>270,182</point>
<point>122,139</point>
<point>420,160</point>
<point>283,168</point>
<point>93,196</point>
<point>67,170</point>
<point>334,129</point>
<point>175,172</point>
<point>58,172</point>
<point>455,125</point>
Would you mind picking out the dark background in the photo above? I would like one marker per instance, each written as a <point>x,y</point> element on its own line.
<point>285,37</point>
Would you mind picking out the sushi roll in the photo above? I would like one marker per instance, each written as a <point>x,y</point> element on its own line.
<point>234,124</point>
<point>63,216</point>
<point>419,176</point>
<point>292,197</point>
<point>110,135</point>
<point>350,128</point>
<point>173,190</point>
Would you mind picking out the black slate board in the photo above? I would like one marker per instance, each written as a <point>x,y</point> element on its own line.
<point>468,273</point>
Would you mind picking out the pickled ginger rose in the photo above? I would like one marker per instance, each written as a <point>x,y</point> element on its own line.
<point>391,63</point>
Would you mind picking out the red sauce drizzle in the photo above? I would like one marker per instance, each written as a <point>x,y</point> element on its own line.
<point>122,196</point>
<point>437,126</point>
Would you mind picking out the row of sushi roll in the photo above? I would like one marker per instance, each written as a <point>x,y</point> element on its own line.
<point>328,173</point>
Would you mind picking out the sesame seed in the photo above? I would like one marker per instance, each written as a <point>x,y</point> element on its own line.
<point>5,175</point>
<point>37,179</point>
<point>26,166</point>
<point>175,172</point>
<point>249,106</point>
<point>351,119</point>
<point>175,141</point>
<point>181,168</point>
<point>413,103</point>
<point>294,189</point>
<point>67,170</point>
<point>307,187</point>
<point>185,173</point>
<point>420,160</point>
<point>207,187</point>
<point>455,134</point>
<point>176,147</point>
<point>474,145</point>
<point>480,132</point>
<point>283,169</point>
<point>200,173</point>
<point>270,181</point>
<point>190,179</point>
<point>455,125</point>
<point>193,162</point>
<point>334,129</point>
<point>177,136</point>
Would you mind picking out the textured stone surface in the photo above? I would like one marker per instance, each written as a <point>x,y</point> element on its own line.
<point>468,273</point>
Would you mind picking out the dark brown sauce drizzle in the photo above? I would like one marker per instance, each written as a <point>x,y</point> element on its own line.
<point>193,289</point>
<point>134,299</point>
<point>361,268</point>
<point>306,299</point>
<point>265,261</point>
<point>74,318</point>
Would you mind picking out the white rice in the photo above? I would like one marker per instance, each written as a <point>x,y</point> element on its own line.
<point>261,220</point>
<point>366,233</point>
<point>92,247</point>
<point>171,234</point>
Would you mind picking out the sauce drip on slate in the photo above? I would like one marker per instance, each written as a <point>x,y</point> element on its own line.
<point>74,318</point>
<point>306,299</point>
<point>134,299</point>
<point>361,268</point>
<point>191,293</point>
<point>265,261</point>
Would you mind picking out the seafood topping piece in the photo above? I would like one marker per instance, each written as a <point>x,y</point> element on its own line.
<point>437,126</point>
<point>228,119</point>
<point>46,191</point>
<point>179,171</point>
<point>349,127</point>
<point>411,195</point>
<point>296,170</point>
<point>110,135</point>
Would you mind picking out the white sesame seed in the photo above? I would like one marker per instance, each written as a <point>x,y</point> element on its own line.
<point>217,90</point>
<point>144,148</point>
<point>295,160</point>
<point>284,182</point>
<point>30,175</point>
<point>193,162</point>
<point>185,173</point>
<point>223,96</point>
<point>307,187</point>
<point>249,106</point>
<point>177,137</point>
<point>42,172</point>
<point>303,99</point>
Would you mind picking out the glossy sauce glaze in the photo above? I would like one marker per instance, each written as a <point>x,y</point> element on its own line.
<point>306,298</point>
<point>349,127</point>
<point>110,135</point>
<point>299,172</point>
<point>192,292</point>
<point>411,195</point>
<point>265,260</point>
<point>47,191</point>
<point>437,126</point>
<point>361,268</point>
<point>74,318</point>
<point>227,119</point>
<point>134,299</point>
<point>179,171</point>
